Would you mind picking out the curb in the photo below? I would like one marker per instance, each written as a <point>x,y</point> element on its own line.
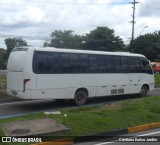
<point>104,135</point>
<point>67,141</point>
<point>143,127</point>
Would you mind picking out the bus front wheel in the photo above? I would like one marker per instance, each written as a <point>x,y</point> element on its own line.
<point>80,98</point>
<point>144,91</point>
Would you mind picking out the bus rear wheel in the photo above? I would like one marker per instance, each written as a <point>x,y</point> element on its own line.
<point>80,98</point>
<point>144,91</point>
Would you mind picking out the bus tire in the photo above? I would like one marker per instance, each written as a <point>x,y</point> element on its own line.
<point>80,98</point>
<point>144,91</point>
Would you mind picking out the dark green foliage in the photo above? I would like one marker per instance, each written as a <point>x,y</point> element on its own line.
<point>148,45</point>
<point>11,43</point>
<point>104,39</point>
<point>100,39</point>
<point>65,39</point>
<point>2,59</point>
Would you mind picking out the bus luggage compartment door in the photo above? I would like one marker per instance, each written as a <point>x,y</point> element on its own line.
<point>134,84</point>
<point>92,91</point>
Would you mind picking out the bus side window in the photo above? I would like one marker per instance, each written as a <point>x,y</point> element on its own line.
<point>53,62</point>
<point>144,66</point>
<point>64,59</point>
<point>40,62</point>
<point>84,65</point>
<point>124,62</point>
<point>134,65</point>
<point>109,64</point>
<point>74,63</point>
<point>117,64</point>
<point>92,63</point>
<point>101,64</point>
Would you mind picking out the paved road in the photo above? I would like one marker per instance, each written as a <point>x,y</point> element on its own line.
<point>155,92</point>
<point>153,134</point>
<point>30,106</point>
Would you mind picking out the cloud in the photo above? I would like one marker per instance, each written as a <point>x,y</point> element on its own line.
<point>30,14</point>
<point>149,8</point>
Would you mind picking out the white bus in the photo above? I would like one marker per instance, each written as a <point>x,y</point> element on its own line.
<point>51,73</point>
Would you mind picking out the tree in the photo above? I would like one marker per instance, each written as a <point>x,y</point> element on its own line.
<point>103,39</point>
<point>148,45</point>
<point>14,42</point>
<point>64,39</point>
<point>2,58</point>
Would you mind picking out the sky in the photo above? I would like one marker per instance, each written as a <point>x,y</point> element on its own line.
<point>34,20</point>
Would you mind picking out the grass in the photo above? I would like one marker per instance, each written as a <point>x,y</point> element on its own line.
<point>107,117</point>
<point>114,116</point>
<point>157,79</point>
<point>2,82</point>
<point>3,86</point>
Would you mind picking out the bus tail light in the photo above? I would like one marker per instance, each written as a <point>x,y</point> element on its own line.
<point>24,83</point>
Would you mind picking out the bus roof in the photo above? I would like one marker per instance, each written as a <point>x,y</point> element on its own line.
<point>51,49</point>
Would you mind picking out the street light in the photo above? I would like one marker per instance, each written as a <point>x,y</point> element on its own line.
<point>132,42</point>
<point>114,41</point>
<point>143,30</point>
<point>83,42</point>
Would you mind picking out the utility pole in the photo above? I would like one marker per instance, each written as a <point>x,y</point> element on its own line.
<point>133,22</point>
